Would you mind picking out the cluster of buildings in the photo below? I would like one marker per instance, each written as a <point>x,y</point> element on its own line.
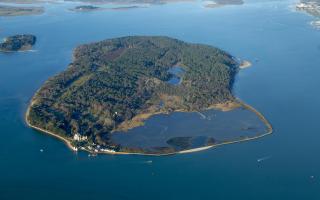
<point>91,148</point>
<point>96,149</point>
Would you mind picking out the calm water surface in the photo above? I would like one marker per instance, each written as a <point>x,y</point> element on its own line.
<point>282,84</point>
<point>195,128</point>
<point>177,74</point>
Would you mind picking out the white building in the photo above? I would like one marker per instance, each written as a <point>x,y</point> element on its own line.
<point>78,137</point>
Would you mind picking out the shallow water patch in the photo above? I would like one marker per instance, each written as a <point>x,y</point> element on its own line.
<point>177,73</point>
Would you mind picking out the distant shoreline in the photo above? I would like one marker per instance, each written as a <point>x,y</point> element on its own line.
<point>221,3</point>
<point>96,9</point>
<point>14,11</point>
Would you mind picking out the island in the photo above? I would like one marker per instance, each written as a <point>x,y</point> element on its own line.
<point>18,43</point>
<point>127,7</point>
<point>86,8</point>
<point>115,86</point>
<point>122,2</point>
<point>128,2</point>
<point>27,1</point>
<point>20,11</point>
<point>220,3</point>
<point>311,7</point>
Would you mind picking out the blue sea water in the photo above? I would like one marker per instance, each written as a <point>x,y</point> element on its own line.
<point>282,84</point>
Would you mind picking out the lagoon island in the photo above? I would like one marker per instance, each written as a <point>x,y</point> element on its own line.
<point>145,95</point>
<point>18,43</point>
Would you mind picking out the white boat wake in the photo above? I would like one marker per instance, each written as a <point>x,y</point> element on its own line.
<point>263,159</point>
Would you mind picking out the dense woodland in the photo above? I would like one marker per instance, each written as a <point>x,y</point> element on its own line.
<point>18,43</point>
<point>112,81</point>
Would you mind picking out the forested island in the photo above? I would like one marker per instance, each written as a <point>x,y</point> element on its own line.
<point>86,8</point>
<point>211,3</point>
<point>219,3</point>
<point>127,4</point>
<point>18,43</point>
<point>116,84</point>
<point>131,1</point>
<point>311,7</point>
<point>20,11</point>
<point>100,1</point>
<point>27,1</point>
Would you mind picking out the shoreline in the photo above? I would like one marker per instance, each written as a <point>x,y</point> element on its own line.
<point>74,149</point>
<point>139,119</point>
<point>19,51</point>
<point>66,141</point>
<point>15,10</point>
<point>223,143</point>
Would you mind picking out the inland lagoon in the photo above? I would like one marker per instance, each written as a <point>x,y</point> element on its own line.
<point>193,131</point>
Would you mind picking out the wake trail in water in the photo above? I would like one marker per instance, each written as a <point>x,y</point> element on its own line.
<point>32,50</point>
<point>263,158</point>
<point>202,115</point>
<point>147,162</point>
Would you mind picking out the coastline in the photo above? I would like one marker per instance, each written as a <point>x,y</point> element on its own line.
<point>139,119</point>
<point>14,11</point>
<point>19,51</point>
<point>73,148</point>
<point>263,119</point>
<point>223,143</point>
<point>66,141</point>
